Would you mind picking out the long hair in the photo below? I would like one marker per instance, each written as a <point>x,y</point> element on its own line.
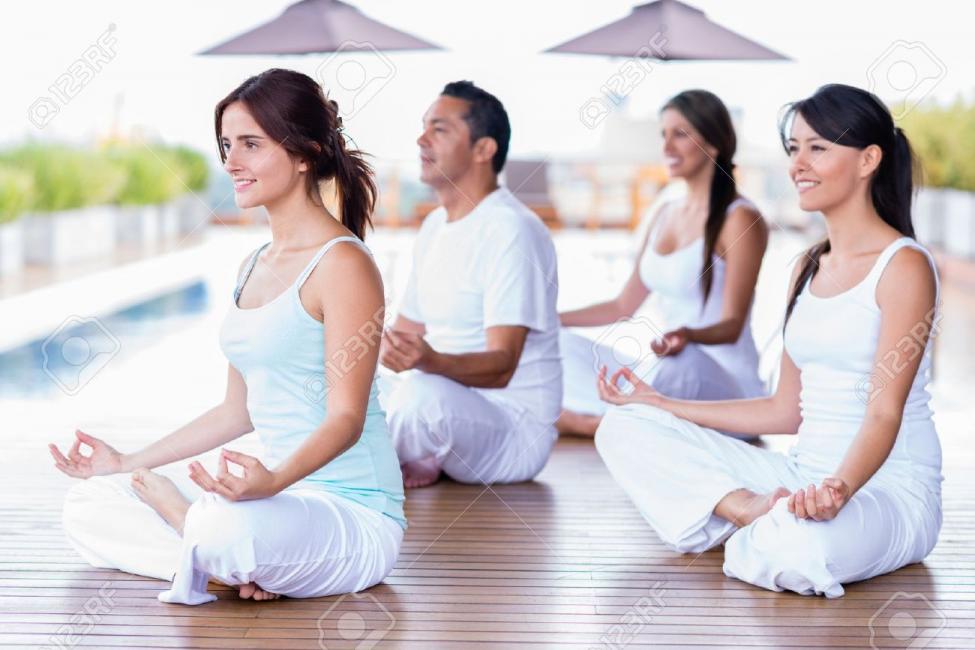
<point>853,117</point>
<point>709,117</point>
<point>294,112</point>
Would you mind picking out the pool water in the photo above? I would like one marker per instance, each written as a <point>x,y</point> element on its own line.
<point>59,362</point>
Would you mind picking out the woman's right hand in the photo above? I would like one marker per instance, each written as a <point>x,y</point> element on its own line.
<point>609,389</point>
<point>102,460</point>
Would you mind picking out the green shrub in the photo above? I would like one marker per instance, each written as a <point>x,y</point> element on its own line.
<point>65,177</point>
<point>152,174</point>
<point>62,177</point>
<point>16,192</point>
<point>195,168</point>
<point>944,139</point>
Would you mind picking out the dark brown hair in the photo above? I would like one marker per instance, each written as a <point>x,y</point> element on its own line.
<point>709,117</point>
<point>294,112</point>
<point>853,117</point>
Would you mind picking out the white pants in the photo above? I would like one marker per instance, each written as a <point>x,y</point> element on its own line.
<point>676,472</point>
<point>475,439</point>
<point>302,542</point>
<point>692,374</point>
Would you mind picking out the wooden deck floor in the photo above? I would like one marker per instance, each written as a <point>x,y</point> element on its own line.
<point>562,562</point>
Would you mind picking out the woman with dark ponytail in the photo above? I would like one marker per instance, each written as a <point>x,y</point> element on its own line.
<point>859,494</point>
<point>320,511</point>
<point>701,259</point>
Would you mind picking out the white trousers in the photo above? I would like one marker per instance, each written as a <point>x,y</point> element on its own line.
<point>692,374</point>
<point>676,472</point>
<point>475,439</point>
<point>302,542</point>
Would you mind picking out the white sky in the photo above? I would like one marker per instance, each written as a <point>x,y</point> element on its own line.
<point>168,91</point>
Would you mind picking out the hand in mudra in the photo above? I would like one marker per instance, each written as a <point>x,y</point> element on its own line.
<point>671,344</point>
<point>258,482</point>
<point>609,389</point>
<point>102,460</point>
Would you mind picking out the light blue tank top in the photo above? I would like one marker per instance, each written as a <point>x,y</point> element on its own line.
<point>279,350</point>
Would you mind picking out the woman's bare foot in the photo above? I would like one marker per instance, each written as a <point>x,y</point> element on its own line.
<point>163,495</point>
<point>251,590</point>
<point>742,507</point>
<point>420,473</point>
<point>577,424</point>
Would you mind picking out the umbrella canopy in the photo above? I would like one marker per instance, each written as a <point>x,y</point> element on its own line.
<point>320,26</point>
<point>670,31</point>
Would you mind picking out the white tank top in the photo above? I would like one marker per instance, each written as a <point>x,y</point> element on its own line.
<point>675,279</point>
<point>833,341</point>
<point>278,348</point>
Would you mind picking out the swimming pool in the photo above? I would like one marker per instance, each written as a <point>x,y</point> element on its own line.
<point>61,361</point>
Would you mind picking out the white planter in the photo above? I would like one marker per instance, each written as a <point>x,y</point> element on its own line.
<point>58,238</point>
<point>928,215</point>
<point>11,247</point>
<point>194,214</point>
<point>138,225</point>
<point>959,210</point>
<point>169,222</point>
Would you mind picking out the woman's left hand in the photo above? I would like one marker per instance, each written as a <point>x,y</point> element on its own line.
<point>822,503</point>
<point>258,482</point>
<point>671,343</point>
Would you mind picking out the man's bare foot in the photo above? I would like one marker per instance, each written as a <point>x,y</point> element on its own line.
<point>251,590</point>
<point>577,424</point>
<point>163,495</point>
<point>420,473</point>
<point>742,507</point>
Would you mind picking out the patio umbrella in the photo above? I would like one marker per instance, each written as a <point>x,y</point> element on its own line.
<point>667,30</point>
<point>320,26</point>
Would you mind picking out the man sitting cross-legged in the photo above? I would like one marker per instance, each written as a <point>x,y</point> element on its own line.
<point>475,342</point>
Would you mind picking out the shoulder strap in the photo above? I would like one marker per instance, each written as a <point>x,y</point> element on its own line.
<point>246,273</point>
<point>653,230</point>
<point>888,253</point>
<point>740,201</point>
<point>321,253</point>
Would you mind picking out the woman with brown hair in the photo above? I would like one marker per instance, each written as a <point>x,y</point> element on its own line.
<point>320,511</point>
<point>700,261</point>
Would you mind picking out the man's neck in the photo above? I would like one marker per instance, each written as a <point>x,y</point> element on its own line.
<point>460,199</point>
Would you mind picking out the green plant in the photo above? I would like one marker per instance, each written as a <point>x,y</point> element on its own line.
<point>16,192</point>
<point>46,177</point>
<point>65,177</point>
<point>194,166</point>
<point>944,139</point>
<point>152,174</point>
<point>156,173</point>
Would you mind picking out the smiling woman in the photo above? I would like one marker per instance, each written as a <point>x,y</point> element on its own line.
<point>320,511</point>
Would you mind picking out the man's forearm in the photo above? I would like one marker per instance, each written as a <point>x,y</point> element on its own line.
<point>489,369</point>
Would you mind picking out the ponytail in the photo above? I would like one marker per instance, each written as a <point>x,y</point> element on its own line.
<point>723,192</point>
<point>893,186</point>
<point>354,180</point>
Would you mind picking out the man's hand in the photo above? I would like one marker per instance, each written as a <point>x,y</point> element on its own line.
<point>400,351</point>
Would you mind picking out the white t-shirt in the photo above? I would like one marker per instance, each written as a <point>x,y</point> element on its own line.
<point>495,266</point>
